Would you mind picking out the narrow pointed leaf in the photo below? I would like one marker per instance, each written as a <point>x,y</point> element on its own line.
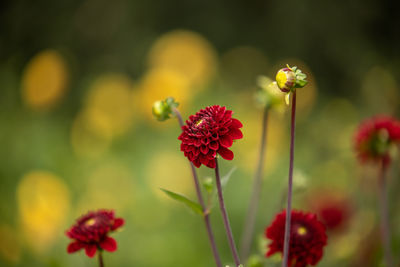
<point>226,177</point>
<point>194,206</point>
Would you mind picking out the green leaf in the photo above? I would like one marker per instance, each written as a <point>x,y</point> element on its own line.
<point>226,177</point>
<point>194,206</point>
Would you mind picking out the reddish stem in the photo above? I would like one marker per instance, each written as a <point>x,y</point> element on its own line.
<point>384,216</point>
<point>101,263</point>
<point>225,219</point>
<point>201,201</point>
<point>290,186</point>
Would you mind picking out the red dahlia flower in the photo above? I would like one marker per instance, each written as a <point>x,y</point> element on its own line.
<point>334,210</point>
<point>375,138</point>
<point>91,232</point>
<point>307,238</point>
<point>208,132</point>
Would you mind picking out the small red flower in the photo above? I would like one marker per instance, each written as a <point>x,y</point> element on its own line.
<point>307,238</point>
<point>208,132</point>
<point>91,232</point>
<point>334,210</point>
<point>375,137</point>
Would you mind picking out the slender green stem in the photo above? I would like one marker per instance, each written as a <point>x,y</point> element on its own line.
<point>248,231</point>
<point>101,263</point>
<point>384,216</point>
<point>206,216</point>
<point>225,219</point>
<point>290,185</point>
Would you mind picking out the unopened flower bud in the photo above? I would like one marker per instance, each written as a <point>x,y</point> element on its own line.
<point>286,78</point>
<point>162,109</point>
<point>270,95</point>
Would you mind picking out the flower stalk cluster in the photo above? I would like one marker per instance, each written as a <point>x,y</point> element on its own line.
<point>208,136</point>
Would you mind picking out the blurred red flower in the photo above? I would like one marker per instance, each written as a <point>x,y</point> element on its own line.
<point>375,137</point>
<point>334,210</point>
<point>208,132</point>
<point>307,238</point>
<point>91,232</point>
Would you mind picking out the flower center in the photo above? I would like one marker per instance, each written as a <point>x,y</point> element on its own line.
<point>302,230</point>
<point>380,143</point>
<point>90,222</point>
<point>199,122</point>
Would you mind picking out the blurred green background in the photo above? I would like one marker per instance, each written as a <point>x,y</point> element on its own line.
<point>77,81</point>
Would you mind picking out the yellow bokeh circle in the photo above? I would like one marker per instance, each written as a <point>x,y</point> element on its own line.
<point>44,80</point>
<point>158,84</point>
<point>185,52</point>
<point>43,203</point>
<point>109,107</point>
<point>161,172</point>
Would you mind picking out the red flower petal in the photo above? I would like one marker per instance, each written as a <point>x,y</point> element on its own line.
<point>109,244</point>
<point>226,141</point>
<point>118,222</point>
<point>211,164</point>
<point>214,145</point>
<point>236,133</point>
<point>225,153</point>
<point>75,246</point>
<point>90,250</point>
<point>236,123</point>
<point>204,149</point>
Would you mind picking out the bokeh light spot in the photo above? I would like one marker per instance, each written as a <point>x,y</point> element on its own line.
<point>248,148</point>
<point>109,106</point>
<point>43,202</point>
<point>185,52</point>
<point>162,83</point>
<point>162,172</point>
<point>44,80</point>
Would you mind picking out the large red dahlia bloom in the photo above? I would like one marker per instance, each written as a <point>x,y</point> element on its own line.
<point>307,238</point>
<point>208,132</point>
<point>375,137</point>
<point>91,232</point>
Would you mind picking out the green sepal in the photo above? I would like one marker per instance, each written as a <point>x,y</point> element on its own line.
<point>171,102</point>
<point>194,206</point>
<point>300,78</point>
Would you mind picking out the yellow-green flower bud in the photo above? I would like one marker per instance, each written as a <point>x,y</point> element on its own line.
<point>270,95</point>
<point>286,79</point>
<point>162,109</point>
